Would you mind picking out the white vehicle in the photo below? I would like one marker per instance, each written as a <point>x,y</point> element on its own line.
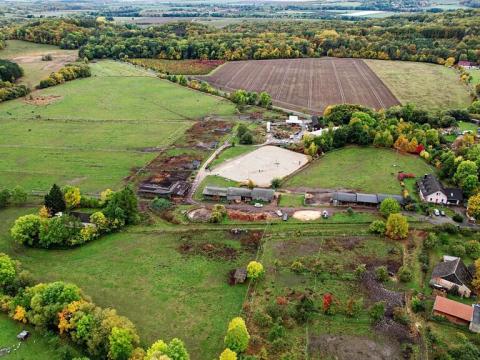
<point>258,205</point>
<point>325,214</point>
<point>442,213</point>
<point>279,213</point>
<point>436,212</point>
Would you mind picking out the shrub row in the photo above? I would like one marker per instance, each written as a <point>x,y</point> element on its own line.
<point>9,91</point>
<point>67,73</point>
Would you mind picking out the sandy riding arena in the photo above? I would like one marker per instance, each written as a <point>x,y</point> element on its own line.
<point>262,165</point>
<point>307,215</point>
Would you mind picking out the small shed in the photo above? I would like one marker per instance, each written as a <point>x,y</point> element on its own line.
<point>266,195</point>
<point>240,275</point>
<point>453,311</point>
<point>23,335</point>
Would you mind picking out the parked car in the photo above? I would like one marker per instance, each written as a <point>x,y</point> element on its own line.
<point>258,205</point>
<point>436,212</point>
<point>285,217</point>
<point>442,213</point>
<point>279,213</point>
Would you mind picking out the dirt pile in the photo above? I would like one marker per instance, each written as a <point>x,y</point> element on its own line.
<point>244,216</point>
<point>209,250</point>
<point>41,100</point>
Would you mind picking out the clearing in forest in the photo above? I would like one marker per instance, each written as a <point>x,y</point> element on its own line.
<point>366,169</point>
<point>29,57</point>
<point>427,85</point>
<point>96,131</point>
<point>306,84</point>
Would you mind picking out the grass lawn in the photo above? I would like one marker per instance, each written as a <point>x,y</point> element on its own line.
<point>369,169</point>
<point>178,67</point>
<point>421,83</point>
<point>475,76</point>
<point>29,56</point>
<point>464,126</point>
<point>98,131</point>
<point>231,153</point>
<point>142,274</point>
<point>38,346</point>
<point>291,200</point>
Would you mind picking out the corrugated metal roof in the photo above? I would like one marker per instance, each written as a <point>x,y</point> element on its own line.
<point>367,198</point>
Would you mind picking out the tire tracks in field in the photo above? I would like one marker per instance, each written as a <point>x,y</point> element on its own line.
<point>339,83</point>
<point>370,85</point>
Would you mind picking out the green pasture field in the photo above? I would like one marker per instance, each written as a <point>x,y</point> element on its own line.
<point>291,200</point>
<point>142,274</point>
<point>427,85</point>
<point>368,169</point>
<point>38,346</point>
<point>29,56</point>
<point>98,131</point>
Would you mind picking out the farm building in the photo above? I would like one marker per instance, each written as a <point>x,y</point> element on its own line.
<point>431,190</point>
<point>475,323</point>
<point>452,272</point>
<point>176,189</point>
<point>453,311</point>
<point>236,194</point>
<point>345,198</point>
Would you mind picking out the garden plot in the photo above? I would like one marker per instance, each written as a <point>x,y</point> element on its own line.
<point>262,165</point>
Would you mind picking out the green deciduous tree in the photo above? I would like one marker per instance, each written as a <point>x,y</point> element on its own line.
<point>7,270</point>
<point>254,270</point>
<point>120,344</point>
<point>26,229</point>
<point>123,206</point>
<point>389,206</point>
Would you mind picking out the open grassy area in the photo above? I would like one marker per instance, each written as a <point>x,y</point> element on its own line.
<point>38,346</point>
<point>142,274</point>
<point>422,84</point>
<point>98,130</point>
<point>291,200</point>
<point>368,169</point>
<point>475,76</point>
<point>467,126</point>
<point>178,67</point>
<point>29,56</point>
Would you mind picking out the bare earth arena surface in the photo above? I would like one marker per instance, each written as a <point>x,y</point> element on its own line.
<point>262,165</point>
<point>306,84</point>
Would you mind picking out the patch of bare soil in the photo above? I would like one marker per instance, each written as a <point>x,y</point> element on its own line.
<point>292,248</point>
<point>245,216</point>
<point>41,100</point>
<point>377,292</point>
<point>208,250</point>
<point>345,347</point>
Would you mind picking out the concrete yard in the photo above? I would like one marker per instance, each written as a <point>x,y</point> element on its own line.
<point>262,165</point>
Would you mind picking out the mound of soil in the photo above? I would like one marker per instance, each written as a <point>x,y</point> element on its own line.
<point>208,250</point>
<point>344,347</point>
<point>377,292</point>
<point>41,100</point>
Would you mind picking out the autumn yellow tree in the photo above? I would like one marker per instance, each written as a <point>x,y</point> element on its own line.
<point>476,278</point>
<point>473,206</point>
<point>402,144</point>
<point>228,354</point>
<point>397,226</point>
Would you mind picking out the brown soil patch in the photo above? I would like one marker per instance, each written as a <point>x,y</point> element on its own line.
<point>311,84</point>
<point>41,100</point>
<point>377,292</point>
<point>208,250</point>
<point>201,215</point>
<point>245,216</point>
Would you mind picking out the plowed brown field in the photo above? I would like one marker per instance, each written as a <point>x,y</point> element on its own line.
<point>308,85</point>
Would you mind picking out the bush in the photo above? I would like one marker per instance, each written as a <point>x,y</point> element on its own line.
<point>67,73</point>
<point>262,319</point>
<point>377,227</point>
<point>218,214</point>
<point>8,271</point>
<point>377,311</point>
<point>457,250</point>
<point>457,218</point>
<point>276,182</point>
<point>472,248</point>
<point>360,271</point>
<point>237,337</point>
<point>401,316</point>
<point>10,71</point>
<point>404,274</point>
<point>228,354</point>
<point>418,305</point>
<point>254,270</point>
<point>26,230</point>
<point>276,332</point>
<point>381,273</point>
<point>389,206</point>
<point>431,241</point>
<point>161,204</point>
<point>5,197</point>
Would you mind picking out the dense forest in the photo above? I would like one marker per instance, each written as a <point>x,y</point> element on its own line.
<point>421,37</point>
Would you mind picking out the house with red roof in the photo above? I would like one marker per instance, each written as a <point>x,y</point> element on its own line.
<point>453,311</point>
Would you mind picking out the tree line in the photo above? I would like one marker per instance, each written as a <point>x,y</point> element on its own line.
<point>422,37</point>
<point>67,73</point>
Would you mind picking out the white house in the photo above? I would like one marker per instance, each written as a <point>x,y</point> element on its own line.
<point>431,190</point>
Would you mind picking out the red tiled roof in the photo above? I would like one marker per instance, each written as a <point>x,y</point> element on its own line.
<point>453,308</point>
